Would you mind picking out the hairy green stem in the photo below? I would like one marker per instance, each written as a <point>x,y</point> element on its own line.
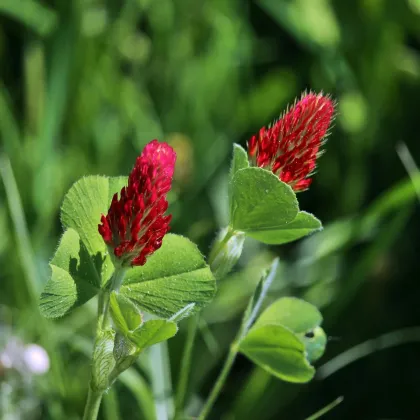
<point>115,284</point>
<point>185,366</point>
<point>249,317</point>
<point>95,396</point>
<point>92,404</point>
<point>217,387</point>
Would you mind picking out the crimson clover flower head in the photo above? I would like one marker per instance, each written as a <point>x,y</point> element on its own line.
<point>291,145</point>
<point>135,224</point>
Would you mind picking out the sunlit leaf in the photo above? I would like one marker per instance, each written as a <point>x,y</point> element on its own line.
<point>175,276</point>
<point>239,160</point>
<point>81,264</point>
<point>124,313</point>
<point>74,277</point>
<point>295,314</point>
<point>260,201</point>
<point>82,208</point>
<point>300,317</point>
<point>302,225</point>
<point>153,332</point>
<point>277,350</point>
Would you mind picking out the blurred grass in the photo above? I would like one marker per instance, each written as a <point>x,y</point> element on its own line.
<point>85,84</point>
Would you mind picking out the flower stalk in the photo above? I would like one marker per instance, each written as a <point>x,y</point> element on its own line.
<point>133,229</point>
<point>248,319</point>
<point>92,405</point>
<point>95,395</point>
<point>217,387</point>
<point>184,373</point>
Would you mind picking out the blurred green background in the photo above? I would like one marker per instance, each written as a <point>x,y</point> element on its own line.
<point>85,84</point>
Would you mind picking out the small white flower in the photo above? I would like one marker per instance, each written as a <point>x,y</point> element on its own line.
<point>36,359</point>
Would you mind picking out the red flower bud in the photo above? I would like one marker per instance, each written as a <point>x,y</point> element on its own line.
<point>291,145</point>
<point>135,224</point>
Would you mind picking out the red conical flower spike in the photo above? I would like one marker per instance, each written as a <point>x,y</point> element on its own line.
<point>135,224</point>
<point>291,145</point>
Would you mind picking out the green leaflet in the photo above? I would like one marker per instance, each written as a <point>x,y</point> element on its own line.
<point>83,205</point>
<point>174,276</point>
<point>133,336</point>
<point>81,264</point>
<point>239,160</point>
<point>74,278</point>
<point>293,313</point>
<point>153,332</point>
<point>277,350</point>
<point>130,343</point>
<point>260,201</point>
<point>272,342</point>
<point>302,318</point>
<point>264,207</point>
<point>124,313</point>
<point>304,224</point>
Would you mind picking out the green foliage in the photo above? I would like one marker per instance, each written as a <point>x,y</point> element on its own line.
<point>260,201</point>
<point>34,15</point>
<point>185,312</point>
<point>285,338</point>
<point>239,160</point>
<point>264,207</point>
<point>296,314</point>
<point>128,321</point>
<point>277,350</point>
<point>302,225</point>
<point>153,332</point>
<point>175,276</point>
<point>83,97</point>
<point>312,23</point>
<point>300,317</point>
<point>81,264</point>
<point>82,208</point>
<point>124,313</point>
<point>74,277</point>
